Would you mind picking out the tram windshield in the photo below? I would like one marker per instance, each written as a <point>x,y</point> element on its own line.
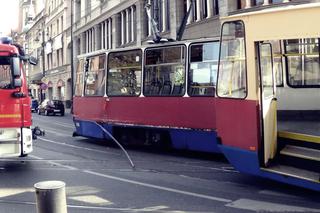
<point>232,67</point>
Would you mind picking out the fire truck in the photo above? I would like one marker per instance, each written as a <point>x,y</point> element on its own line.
<point>15,115</point>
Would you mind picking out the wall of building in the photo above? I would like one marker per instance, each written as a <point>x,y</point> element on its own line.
<point>114,24</point>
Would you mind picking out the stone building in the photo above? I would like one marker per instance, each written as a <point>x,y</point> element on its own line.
<point>115,24</point>
<point>112,24</point>
<point>34,43</point>
<point>57,78</point>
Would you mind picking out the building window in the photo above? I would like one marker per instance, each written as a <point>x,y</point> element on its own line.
<point>106,34</point>
<point>58,26</point>
<point>127,25</point>
<point>124,73</point>
<point>61,23</point>
<point>202,9</point>
<point>165,71</point>
<point>87,7</point>
<point>161,14</point>
<point>58,57</point>
<point>49,60</point>
<point>90,38</point>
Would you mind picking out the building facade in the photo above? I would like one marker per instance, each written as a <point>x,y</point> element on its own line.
<point>113,24</point>
<point>34,46</point>
<point>57,78</point>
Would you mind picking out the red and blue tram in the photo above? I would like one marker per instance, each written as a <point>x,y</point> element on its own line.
<point>256,99</point>
<point>163,94</point>
<point>268,94</point>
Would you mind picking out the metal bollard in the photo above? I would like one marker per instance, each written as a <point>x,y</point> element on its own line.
<point>51,197</point>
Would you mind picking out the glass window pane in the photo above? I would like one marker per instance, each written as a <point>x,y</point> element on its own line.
<point>277,62</point>
<point>258,2</point>
<point>266,69</point>
<point>165,71</point>
<point>79,78</point>
<point>5,73</point>
<point>232,66</point>
<point>165,55</point>
<point>95,76</point>
<point>124,73</point>
<point>303,62</point>
<point>203,69</point>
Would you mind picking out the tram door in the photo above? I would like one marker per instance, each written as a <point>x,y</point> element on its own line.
<point>268,101</point>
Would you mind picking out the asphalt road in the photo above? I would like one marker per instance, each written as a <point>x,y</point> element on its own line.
<point>99,178</point>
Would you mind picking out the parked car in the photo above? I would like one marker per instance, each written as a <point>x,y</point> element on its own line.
<point>52,107</point>
<point>34,105</point>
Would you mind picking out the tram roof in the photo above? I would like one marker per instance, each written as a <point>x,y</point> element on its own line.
<point>286,22</point>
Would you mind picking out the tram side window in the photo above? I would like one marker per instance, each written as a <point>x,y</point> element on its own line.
<point>232,81</point>
<point>124,73</point>
<point>79,78</point>
<point>95,76</point>
<point>302,57</point>
<point>165,71</point>
<point>203,69</point>
<point>5,73</point>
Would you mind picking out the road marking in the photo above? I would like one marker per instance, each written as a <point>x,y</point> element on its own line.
<point>113,209</point>
<point>261,206</point>
<point>92,199</point>
<point>55,163</point>
<point>159,187</point>
<point>78,147</point>
<point>280,194</point>
<point>246,204</point>
<point>57,133</point>
<point>57,123</point>
<point>223,169</point>
<point>144,184</point>
<point>6,192</point>
<point>36,157</point>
